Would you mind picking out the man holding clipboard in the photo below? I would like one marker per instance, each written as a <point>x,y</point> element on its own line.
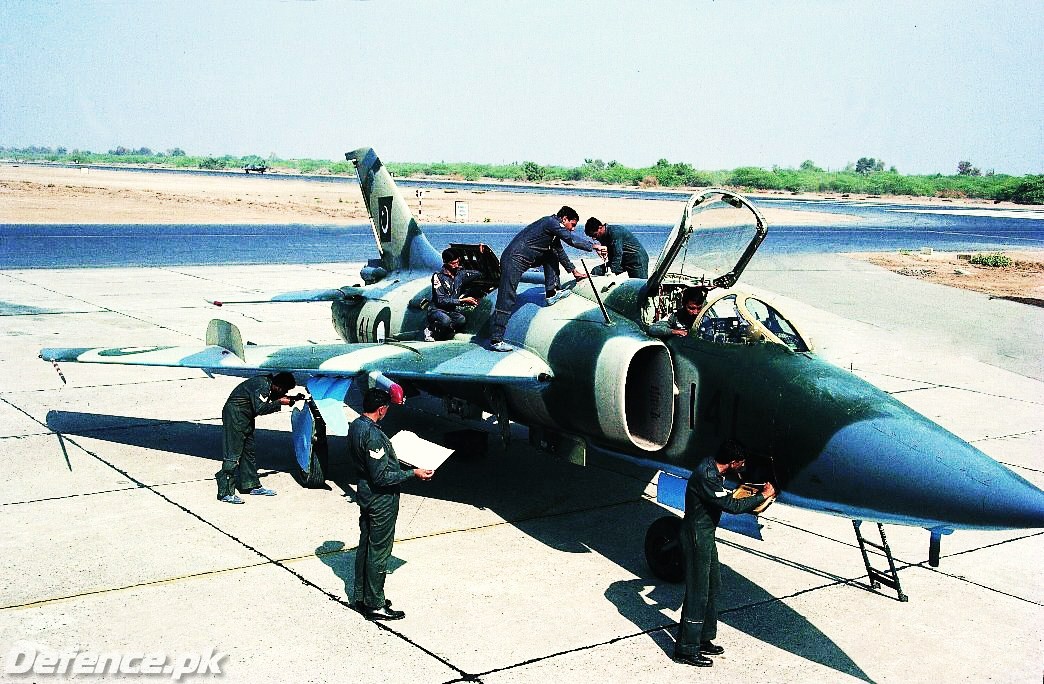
<point>380,475</point>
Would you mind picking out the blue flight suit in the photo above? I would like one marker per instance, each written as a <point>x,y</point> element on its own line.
<point>251,398</point>
<point>377,493</point>
<point>625,252</point>
<point>705,499</point>
<point>538,244</point>
<point>443,317</point>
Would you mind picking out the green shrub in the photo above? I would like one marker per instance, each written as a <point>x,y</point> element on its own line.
<point>1030,190</point>
<point>993,260</point>
<point>531,171</point>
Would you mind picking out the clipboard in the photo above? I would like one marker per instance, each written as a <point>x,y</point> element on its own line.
<point>747,489</point>
<point>418,452</point>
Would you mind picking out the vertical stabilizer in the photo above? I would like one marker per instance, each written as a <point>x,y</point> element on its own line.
<point>399,239</point>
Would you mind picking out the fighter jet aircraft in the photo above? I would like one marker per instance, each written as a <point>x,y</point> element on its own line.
<point>586,373</point>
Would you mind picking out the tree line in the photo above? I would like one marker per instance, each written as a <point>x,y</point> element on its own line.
<point>867,175</point>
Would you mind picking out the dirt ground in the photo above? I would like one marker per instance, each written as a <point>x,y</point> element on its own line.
<point>44,194</point>
<point>1023,281</point>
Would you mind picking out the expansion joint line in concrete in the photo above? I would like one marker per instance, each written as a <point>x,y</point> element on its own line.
<point>137,585</point>
<point>937,385</point>
<point>464,676</point>
<point>900,564</point>
<point>115,491</point>
<point>832,578</point>
<point>667,627</point>
<point>105,308</point>
<point>962,578</point>
<point>269,560</point>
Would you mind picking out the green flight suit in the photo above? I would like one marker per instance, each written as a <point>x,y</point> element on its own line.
<point>625,253</point>
<point>679,320</point>
<point>251,398</point>
<point>705,499</point>
<point>377,493</point>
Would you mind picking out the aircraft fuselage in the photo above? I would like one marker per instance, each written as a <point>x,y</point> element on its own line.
<point>830,440</point>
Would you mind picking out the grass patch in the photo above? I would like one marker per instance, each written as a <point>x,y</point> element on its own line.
<point>991,260</point>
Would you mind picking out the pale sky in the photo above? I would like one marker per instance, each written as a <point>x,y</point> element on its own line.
<point>921,85</point>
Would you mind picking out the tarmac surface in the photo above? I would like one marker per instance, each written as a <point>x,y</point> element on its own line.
<point>514,567</point>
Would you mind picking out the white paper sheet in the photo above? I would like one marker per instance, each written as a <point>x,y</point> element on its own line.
<point>417,452</point>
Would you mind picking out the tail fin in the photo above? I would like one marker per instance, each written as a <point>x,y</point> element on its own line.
<point>399,239</point>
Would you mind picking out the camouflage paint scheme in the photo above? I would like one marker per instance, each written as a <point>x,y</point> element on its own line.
<point>831,441</point>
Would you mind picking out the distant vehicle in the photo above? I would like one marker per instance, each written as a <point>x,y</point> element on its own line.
<point>256,168</point>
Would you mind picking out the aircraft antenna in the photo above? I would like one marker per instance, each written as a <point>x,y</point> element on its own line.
<point>598,297</point>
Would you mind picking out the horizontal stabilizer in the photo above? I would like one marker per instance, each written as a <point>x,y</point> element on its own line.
<point>327,295</point>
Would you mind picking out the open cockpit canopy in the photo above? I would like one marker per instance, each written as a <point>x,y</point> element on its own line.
<point>711,244</point>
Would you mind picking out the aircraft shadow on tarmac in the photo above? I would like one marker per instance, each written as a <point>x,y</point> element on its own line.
<point>536,493</point>
<point>15,309</point>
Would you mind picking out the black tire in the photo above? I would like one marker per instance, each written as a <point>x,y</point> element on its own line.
<point>663,551</point>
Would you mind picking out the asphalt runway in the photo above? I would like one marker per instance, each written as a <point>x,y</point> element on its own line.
<point>514,567</point>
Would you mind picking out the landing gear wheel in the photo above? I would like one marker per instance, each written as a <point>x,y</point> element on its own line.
<point>663,550</point>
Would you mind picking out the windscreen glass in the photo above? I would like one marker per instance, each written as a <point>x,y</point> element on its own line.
<point>776,324</point>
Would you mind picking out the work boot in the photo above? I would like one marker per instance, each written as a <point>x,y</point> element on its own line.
<point>696,660</point>
<point>231,498</point>
<point>262,491</point>
<point>384,613</point>
<point>361,607</point>
<point>707,648</point>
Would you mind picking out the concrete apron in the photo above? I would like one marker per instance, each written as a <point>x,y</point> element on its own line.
<point>516,567</point>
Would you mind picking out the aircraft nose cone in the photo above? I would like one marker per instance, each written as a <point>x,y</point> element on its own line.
<point>914,468</point>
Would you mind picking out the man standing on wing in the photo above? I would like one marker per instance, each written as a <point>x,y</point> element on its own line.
<point>538,244</point>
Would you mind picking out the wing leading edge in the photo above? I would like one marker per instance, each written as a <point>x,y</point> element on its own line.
<point>449,361</point>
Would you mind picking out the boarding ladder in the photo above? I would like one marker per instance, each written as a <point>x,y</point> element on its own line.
<point>890,577</point>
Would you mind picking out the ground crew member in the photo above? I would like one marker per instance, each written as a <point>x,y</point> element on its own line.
<point>705,499</point>
<point>444,318</point>
<point>538,244</point>
<point>625,253</point>
<point>378,496</point>
<point>680,322</point>
<point>250,399</point>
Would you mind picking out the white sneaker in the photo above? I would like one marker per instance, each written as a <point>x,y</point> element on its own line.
<point>428,337</point>
<point>558,296</point>
<point>501,347</point>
